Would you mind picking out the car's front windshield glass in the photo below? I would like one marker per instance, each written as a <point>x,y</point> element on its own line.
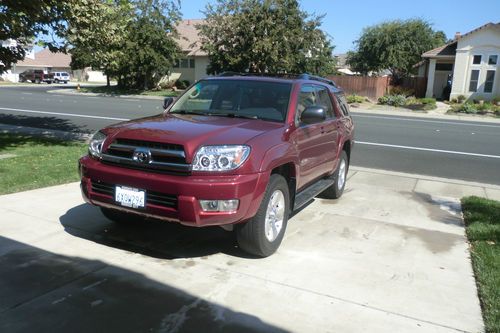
<point>237,98</point>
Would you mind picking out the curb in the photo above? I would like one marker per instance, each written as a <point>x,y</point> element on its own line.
<point>74,92</point>
<point>410,114</point>
<point>424,177</point>
<point>42,132</point>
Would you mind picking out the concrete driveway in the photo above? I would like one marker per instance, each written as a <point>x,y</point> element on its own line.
<point>390,255</point>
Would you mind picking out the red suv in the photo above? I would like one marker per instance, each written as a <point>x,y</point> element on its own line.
<point>239,151</point>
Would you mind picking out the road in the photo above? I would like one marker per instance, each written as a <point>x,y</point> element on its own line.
<point>443,148</point>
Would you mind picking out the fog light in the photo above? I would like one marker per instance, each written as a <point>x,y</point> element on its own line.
<point>219,205</point>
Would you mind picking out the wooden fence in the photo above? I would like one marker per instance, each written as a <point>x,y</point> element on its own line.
<point>374,87</point>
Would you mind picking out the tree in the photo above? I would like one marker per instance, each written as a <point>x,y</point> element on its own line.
<point>264,36</point>
<point>150,48</point>
<point>394,45</point>
<point>97,40</point>
<point>23,21</point>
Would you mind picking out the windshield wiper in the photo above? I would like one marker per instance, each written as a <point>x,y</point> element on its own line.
<point>231,115</point>
<point>188,112</point>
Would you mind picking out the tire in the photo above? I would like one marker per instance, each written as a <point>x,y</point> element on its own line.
<point>120,217</point>
<point>37,81</point>
<point>56,81</point>
<point>340,176</point>
<point>253,236</point>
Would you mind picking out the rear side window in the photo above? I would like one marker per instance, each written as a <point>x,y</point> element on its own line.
<point>342,104</point>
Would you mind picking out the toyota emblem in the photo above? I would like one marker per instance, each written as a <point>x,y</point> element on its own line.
<point>142,156</point>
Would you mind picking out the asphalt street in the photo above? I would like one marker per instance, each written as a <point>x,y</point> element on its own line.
<point>444,148</point>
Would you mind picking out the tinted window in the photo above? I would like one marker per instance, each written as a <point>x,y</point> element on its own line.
<point>323,99</point>
<point>245,98</point>
<point>342,104</point>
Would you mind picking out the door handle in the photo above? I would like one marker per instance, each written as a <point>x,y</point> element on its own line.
<point>322,130</point>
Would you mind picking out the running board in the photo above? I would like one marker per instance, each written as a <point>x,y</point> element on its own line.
<point>311,191</point>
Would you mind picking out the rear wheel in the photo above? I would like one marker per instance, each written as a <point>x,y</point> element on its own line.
<point>120,217</point>
<point>335,191</point>
<point>262,235</point>
<point>37,81</point>
<point>56,81</point>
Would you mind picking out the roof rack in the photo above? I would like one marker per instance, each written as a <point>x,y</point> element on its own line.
<point>304,76</point>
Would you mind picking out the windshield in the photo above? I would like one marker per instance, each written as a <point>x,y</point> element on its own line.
<point>236,98</point>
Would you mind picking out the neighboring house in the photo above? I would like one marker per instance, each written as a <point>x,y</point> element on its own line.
<point>471,62</point>
<point>193,65</point>
<point>341,64</point>
<point>44,59</point>
<point>10,74</point>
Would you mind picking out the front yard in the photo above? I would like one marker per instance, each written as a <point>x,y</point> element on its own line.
<point>482,220</point>
<point>28,162</point>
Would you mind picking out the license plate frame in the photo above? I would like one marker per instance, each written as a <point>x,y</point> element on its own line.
<point>130,197</point>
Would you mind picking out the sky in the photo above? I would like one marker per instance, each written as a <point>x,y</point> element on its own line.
<point>345,20</point>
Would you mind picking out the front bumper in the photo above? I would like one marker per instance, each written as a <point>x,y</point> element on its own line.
<point>188,190</point>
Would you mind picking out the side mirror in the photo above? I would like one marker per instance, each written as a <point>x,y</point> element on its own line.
<point>313,114</point>
<point>167,102</point>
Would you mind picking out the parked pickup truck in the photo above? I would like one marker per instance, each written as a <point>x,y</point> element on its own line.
<point>36,76</point>
<point>239,151</point>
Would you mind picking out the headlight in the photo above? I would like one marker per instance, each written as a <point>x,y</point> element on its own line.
<point>220,158</point>
<point>95,145</point>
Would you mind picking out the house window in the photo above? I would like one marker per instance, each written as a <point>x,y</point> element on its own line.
<point>476,60</point>
<point>474,77</point>
<point>176,63</point>
<point>184,63</point>
<point>488,84</point>
<point>191,63</point>
<point>492,60</point>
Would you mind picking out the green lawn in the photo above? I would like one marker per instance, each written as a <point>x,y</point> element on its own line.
<point>482,220</point>
<point>38,162</point>
<point>114,90</point>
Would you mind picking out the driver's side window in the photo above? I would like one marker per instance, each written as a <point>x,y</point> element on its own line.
<point>307,97</point>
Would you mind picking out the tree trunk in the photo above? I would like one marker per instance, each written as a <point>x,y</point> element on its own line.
<point>146,81</point>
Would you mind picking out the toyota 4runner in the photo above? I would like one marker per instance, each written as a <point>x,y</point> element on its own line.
<point>238,150</point>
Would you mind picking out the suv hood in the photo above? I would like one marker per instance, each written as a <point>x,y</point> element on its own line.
<point>191,131</point>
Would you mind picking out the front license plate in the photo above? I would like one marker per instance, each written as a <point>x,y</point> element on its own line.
<point>129,197</point>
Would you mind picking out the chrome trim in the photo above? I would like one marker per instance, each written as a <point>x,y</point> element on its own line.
<point>151,165</point>
<point>154,151</point>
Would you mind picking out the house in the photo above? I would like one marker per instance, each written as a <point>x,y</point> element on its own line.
<point>44,59</point>
<point>194,62</point>
<point>470,62</point>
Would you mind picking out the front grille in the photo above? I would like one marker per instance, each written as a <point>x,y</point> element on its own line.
<point>163,157</point>
<point>152,198</point>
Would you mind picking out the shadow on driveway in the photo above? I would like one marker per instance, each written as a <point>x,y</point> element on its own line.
<point>159,239</point>
<point>41,291</point>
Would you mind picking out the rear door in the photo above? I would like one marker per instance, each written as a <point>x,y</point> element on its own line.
<point>329,129</point>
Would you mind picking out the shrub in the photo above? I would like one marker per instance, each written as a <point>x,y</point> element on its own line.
<point>186,83</point>
<point>485,107</point>
<point>454,100</point>
<point>496,100</point>
<point>468,108</point>
<point>355,99</point>
<point>427,100</point>
<point>180,84</point>
<point>461,98</point>
<point>394,100</point>
<point>398,90</point>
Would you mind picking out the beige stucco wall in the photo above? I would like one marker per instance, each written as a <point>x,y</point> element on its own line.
<point>194,74</point>
<point>484,42</point>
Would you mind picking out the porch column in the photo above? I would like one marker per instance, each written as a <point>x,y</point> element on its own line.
<point>430,78</point>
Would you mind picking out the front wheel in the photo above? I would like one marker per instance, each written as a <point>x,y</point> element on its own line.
<point>262,234</point>
<point>340,176</point>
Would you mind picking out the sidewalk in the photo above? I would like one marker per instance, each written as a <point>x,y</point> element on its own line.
<point>438,114</point>
<point>390,255</point>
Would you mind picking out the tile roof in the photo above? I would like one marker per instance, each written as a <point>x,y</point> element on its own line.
<point>450,49</point>
<point>189,40</point>
<point>46,58</point>
<point>447,50</point>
